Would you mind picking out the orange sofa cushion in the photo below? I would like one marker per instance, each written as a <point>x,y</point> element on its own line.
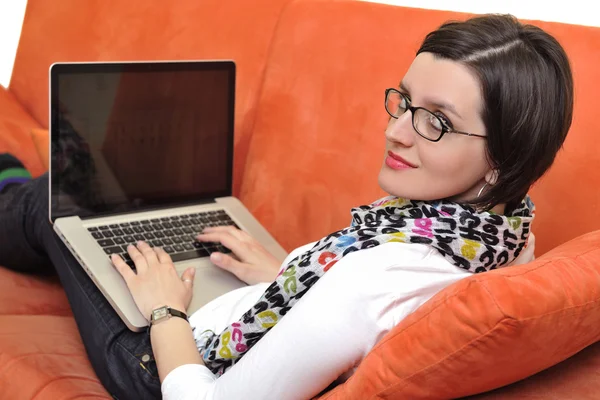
<point>15,137</point>
<point>41,142</point>
<point>42,357</point>
<point>24,294</point>
<point>318,142</point>
<point>488,330</point>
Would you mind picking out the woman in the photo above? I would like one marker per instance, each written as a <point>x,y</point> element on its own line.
<point>478,117</point>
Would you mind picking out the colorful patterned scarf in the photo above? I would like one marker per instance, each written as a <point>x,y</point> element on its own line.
<point>471,240</point>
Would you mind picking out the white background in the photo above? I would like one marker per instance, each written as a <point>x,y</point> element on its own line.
<point>572,11</point>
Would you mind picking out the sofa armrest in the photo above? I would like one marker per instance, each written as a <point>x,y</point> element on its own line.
<point>16,125</point>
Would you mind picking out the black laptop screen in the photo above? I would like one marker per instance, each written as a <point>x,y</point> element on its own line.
<point>136,136</point>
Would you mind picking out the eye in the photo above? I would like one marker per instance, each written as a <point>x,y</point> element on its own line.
<point>404,101</point>
<point>444,119</point>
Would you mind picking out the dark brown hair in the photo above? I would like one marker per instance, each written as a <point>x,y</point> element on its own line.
<point>527,92</point>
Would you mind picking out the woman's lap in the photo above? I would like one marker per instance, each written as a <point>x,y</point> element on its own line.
<point>122,359</point>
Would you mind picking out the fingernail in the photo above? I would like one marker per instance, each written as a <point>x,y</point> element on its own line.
<point>215,257</point>
<point>192,273</point>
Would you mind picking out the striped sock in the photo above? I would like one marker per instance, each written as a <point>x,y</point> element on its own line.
<point>12,172</point>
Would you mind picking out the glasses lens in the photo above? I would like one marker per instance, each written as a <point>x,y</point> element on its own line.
<point>395,104</point>
<point>427,124</point>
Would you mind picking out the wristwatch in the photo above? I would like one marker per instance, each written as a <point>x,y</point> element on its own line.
<point>164,313</point>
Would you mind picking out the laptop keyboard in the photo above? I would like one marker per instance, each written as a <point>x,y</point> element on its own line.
<point>176,235</point>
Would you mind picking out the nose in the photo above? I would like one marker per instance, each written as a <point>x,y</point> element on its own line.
<point>401,130</point>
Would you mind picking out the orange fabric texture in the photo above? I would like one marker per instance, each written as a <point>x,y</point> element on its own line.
<point>321,121</point>
<point>15,125</point>
<point>41,141</point>
<point>22,294</point>
<point>73,30</point>
<point>489,330</point>
<point>45,356</point>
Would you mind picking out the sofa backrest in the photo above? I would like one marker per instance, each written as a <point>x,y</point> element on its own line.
<point>318,141</point>
<point>114,30</point>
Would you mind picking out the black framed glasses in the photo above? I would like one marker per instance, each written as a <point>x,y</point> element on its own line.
<point>428,125</point>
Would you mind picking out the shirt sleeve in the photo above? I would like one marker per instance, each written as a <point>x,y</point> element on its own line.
<point>328,332</point>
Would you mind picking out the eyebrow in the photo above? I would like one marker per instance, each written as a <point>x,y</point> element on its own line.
<point>438,104</point>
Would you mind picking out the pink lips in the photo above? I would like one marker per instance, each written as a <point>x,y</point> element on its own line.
<point>394,161</point>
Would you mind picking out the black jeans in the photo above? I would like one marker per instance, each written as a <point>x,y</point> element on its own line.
<point>122,359</point>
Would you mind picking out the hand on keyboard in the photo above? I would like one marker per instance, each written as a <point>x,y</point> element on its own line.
<point>255,263</point>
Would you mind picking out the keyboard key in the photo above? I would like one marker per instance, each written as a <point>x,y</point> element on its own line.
<point>177,240</point>
<point>157,243</point>
<point>118,232</point>
<point>178,247</point>
<point>185,216</point>
<point>113,250</point>
<point>223,249</point>
<point>97,235</point>
<point>138,236</point>
<point>124,224</point>
<point>188,246</point>
<point>195,221</point>
<point>167,225</point>
<point>189,255</point>
<point>167,241</point>
<point>157,227</point>
<point>92,229</point>
<point>108,234</point>
<point>165,219</point>
<point>149,236</point>
<point>187,229</point>
<point>126,257</point>
<point>104,228</point>
<point>128,231</point>
<point>106,242</point>
<point>145,222</point>
<point>168,233</point>
<point>176,224</point>
<point>174,218</point>
<point>177,231</point>
<point>221,212</point>
<point>148,228</point>
<point>204,220</point>
<point>128,239</point>
<point>119,240</point>
<point>185,222</point>
<point>137,229</point>
<point>159,234</point>
<point>169,250</point>
<point>135,223</point>
<point>113,226</point>
<point>155,220</point>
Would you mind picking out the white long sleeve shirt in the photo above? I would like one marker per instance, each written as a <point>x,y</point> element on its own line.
<point>327,332</point>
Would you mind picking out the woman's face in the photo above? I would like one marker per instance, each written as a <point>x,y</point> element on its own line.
<point>456,166</point>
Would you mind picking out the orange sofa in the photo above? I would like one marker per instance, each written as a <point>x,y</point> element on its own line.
<point>311,76</point>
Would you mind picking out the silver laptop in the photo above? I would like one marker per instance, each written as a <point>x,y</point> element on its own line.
<point>144,151</point>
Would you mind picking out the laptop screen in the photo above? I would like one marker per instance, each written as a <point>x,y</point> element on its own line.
<point>128,137</point>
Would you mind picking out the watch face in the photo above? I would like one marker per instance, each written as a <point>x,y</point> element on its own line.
<point>160,313</point>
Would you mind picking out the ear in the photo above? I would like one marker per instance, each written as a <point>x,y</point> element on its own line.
<point>491,177</point>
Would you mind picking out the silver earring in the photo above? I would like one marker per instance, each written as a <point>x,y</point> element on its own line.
<point>481,190</point>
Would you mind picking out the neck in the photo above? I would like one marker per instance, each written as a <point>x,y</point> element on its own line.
<point>499,209</point>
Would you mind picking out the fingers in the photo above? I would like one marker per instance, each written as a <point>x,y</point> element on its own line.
<point>138,258</point>
<point>163,256</point>
<point>227,240</point>
<point>230,264</point>
<point>124,269</point>
<point>188,277</point>
<point>232,230</point>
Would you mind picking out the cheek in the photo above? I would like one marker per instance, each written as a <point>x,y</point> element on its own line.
<point>453,165</point>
